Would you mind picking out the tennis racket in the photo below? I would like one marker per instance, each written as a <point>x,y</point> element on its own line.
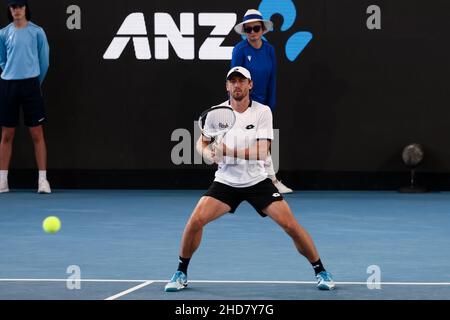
<point>215,122</point>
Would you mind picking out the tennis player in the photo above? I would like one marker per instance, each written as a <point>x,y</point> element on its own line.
<point>258,56</point>
<point>241,176</point>
<point>24,60</point>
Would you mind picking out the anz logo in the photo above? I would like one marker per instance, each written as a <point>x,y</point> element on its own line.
<point>182,39</point>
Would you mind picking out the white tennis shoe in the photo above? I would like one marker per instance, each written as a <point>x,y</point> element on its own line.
<point>4,186</point>
<point>44,187</point>
<point>282,188</point>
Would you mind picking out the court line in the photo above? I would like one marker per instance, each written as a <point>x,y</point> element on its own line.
<point>315,282</point>
<point>125,292</point>
<point>64,280</point>
<point>232,281</point>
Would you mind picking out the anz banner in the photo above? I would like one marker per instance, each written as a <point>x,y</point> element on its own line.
<point>179,33</point>
<point>128,80</point>
<point>168,34</point>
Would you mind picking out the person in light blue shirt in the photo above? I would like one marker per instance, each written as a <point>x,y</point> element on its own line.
<point>24,61</point>
<point>258,56</point>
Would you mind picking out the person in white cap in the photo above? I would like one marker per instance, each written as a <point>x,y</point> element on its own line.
<point>24,60</point>
<point>258,56</point>
<point>247,141</point>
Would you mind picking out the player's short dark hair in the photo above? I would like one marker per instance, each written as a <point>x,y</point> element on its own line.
<point>27,13</point>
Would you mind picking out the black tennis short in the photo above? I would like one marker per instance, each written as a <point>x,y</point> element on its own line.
<point>25,94</point>
<point>260,196</point>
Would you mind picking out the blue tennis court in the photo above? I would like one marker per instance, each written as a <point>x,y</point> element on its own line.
<point>125,244</point>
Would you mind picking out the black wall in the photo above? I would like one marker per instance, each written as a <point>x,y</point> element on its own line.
<point>349,104</point>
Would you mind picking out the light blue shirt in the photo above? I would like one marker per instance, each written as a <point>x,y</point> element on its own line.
<point>24,52</point>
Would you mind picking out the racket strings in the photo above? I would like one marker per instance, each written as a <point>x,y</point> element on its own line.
<point>217,121</point>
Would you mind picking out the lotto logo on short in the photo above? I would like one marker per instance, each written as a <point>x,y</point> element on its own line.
<point>179,32</point>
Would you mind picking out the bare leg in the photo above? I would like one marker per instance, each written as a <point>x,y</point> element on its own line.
<point>6,147</point>
<point>40,149</point>
<point>280,212</point>
<point>207,210</point>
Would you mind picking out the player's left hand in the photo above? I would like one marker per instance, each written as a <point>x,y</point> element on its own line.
<point>223,150</point>
<point>217,153</point>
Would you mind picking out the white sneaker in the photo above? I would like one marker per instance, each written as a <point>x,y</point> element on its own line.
<point>4,186</point>
<point>44,187</point>
<point>282,188</point>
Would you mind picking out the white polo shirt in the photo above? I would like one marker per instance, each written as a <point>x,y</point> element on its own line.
<point>252,125</point>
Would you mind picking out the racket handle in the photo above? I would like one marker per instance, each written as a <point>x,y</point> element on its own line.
<point>218,140</point>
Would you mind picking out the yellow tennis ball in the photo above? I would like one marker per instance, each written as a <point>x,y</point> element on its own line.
<point>51,224</point>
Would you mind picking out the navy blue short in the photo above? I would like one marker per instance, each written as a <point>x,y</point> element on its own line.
<point>25,94</point>
<point>260,196</point>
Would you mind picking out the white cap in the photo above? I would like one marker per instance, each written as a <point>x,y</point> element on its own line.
<point>241,70</point>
